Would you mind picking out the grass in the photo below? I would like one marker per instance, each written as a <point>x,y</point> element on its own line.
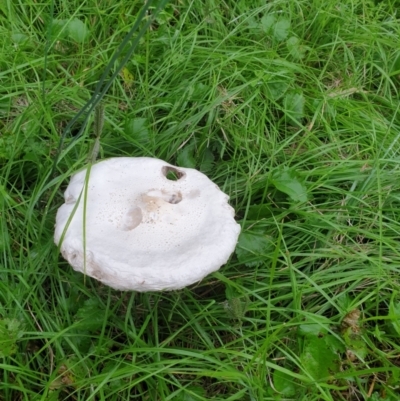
<point>292,109</point>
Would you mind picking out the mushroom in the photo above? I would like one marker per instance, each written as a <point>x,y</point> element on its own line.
<point>148,225</point>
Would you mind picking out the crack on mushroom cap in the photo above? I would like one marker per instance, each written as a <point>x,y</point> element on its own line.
<point>172,197</point>
<point>152,205</point>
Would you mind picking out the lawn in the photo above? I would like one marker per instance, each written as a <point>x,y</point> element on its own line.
<point>292,109</point>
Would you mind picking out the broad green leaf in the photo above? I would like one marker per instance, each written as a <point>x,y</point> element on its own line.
<point>80,340</point>
<point>289,182</point>
<point>102,347</point>
<point>32,157</point>
<point>116,384</point>
<point>296,49</point>
<point>334,343</point>
<point>344,300</point>
<point>78,31</point>
<point>355,343</point>
<point>165,15</point>
<point>74,301</point>
<point>314,326</point>
<point>284,384</point>
<point>90,316</point>
<point>277,89</point>
<point>111,366</point>
<point>207,161</point>
<point>199,91</point>
<point>318,358</point>
<point>294,105</point>
<point>312,330</point>
<point>267,22</point>
<point>281,29</point>
<point>74,29</point>
<point>19,38</point>
<point>10,332</point>
<point>75,369</point>
<point>276,85</point>
<point>59,28</point>
<point>236,307</point>
<point>136,128</point>
<point>258,212</point>
<point>252,23</point>
<point>186,156</point>
<point>292,44</point>
<point>53,395</point>
<point>232,292</point>
<point>34,146</point>
<point>252,248</point>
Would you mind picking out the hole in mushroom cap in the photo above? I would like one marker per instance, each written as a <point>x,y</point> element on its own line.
<point>172,173</point>
<point>172,197</point>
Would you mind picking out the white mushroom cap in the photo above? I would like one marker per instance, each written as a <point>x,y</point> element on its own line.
<point>144,231</point>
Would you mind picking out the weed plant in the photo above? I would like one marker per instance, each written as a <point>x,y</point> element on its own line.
<point>291,107</point>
